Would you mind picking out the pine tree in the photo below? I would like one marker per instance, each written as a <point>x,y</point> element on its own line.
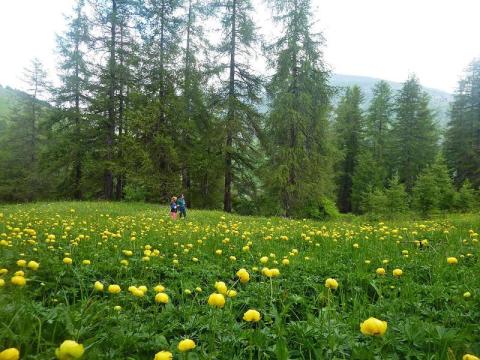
<point>462,141</point>
<point>350,132</point>
<point>299,147</point>
<point>414,133</point>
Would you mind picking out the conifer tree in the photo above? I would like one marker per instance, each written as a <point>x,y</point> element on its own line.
<point>67,143</point>
<point>300,153</point>
<point>415,136</point>
<point>240,90</point>
<point>462,141</point>
<point>350,133</point>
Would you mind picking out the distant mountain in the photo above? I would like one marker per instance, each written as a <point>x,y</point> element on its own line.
<point>439,100</point>
<point>9,98</point>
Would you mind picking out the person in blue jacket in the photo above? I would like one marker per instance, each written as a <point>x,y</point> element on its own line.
<point>182,206</point>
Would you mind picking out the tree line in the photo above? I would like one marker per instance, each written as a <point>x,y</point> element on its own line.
<point>148,105</point>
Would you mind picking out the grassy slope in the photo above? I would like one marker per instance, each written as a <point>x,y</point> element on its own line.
<point>427,316</point>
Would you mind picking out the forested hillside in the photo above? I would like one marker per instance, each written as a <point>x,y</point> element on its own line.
<point>150,105</point>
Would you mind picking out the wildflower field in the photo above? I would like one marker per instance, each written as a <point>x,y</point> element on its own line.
<point>122,281</point>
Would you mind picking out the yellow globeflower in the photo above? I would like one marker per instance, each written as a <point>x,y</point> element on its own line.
<point>114,289</point>
<point>86,262</point>
<point>470,357</point>
<point>264,259</point>
<point>67,260</point>
<point>243,275</point>
<point>467,294</point>
<point>380,271</point>
<point>452,260</point>
<point>163,355</point>
<point>3,271</point>
<point>117,308</point>
<point>221,287</point>
<point>159,288</point>
<point>21,263</point>
<point>186,345</point>
<point>19,273</point>
<point>33,265</point>
<point>2,282</point>
<point>331,284</point>
<point>373,326</point>
<point>252,316</point>
<point>397,272</point>
<point>161,298</point>
<point>69,350</point>
<point>10,354</point>
<point>98,286</point>
<point>285,262</point>
<point>18,280</point>
<point>216,300</point>
<point>231,293</point>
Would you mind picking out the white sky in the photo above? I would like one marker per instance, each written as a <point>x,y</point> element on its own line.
<point>386,39</point>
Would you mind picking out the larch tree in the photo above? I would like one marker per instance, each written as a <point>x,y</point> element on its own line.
<point>239,90</point>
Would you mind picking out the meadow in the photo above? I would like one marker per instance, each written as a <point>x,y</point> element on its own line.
<point>122,281</point>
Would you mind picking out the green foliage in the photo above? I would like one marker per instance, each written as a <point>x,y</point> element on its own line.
<point>414,133</point>
<point>349,126</point>
<point>298,143</point>
<point>467,198</point>
<point>463,133</point>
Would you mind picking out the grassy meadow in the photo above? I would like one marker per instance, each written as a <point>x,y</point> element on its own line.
<point>74,252</point>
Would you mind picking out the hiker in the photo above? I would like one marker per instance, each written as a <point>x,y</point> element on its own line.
<point>173,208</point>
<point>182,206</point>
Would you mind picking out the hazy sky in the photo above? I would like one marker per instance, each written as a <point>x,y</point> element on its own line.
<point>387,39</point>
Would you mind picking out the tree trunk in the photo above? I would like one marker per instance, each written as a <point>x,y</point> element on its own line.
<point>108,175</point>
<point>227,197</point>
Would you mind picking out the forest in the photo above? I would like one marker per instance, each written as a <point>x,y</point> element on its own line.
<point>150,104</point>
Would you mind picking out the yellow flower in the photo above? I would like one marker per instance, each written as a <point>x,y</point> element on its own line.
<point>218,252</point>
<point>19,273</point>
<point>67,260</point>
<point>136,291</point>
<point>356,246</point>
<point>22,263</point>
<point>18,280</point>
<point>2,282</point>
<point>221,287</point>
<point>69,350</point>
<point>186,345</point>
<point>467,294</point>
<point>380,271</point>
<point>33,265</point>
<point>98,286</point>
<point>198,289</point>
<point>117,308</point>
<point>252,316</point>
<point>243,275</point>
<point>331,284</point>
<point>3,271</point>
<point>161,298</point>
<point>143,288</point>
<point>86,262</point>
<point>159,288</point>
<point>187,292</point>
<point>264,259</point>
<point>216,300</point>
<point>10,354</point>
<point>163,355</point>
<point>470,357</point>
<point>397,272</point>
<point>285,262</point>
<point>373,326</point>
<point>114,289</point>
<point>452,260</point>
<point>231,293</point>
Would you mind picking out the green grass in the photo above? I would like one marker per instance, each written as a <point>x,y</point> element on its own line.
<point>427,314</point>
